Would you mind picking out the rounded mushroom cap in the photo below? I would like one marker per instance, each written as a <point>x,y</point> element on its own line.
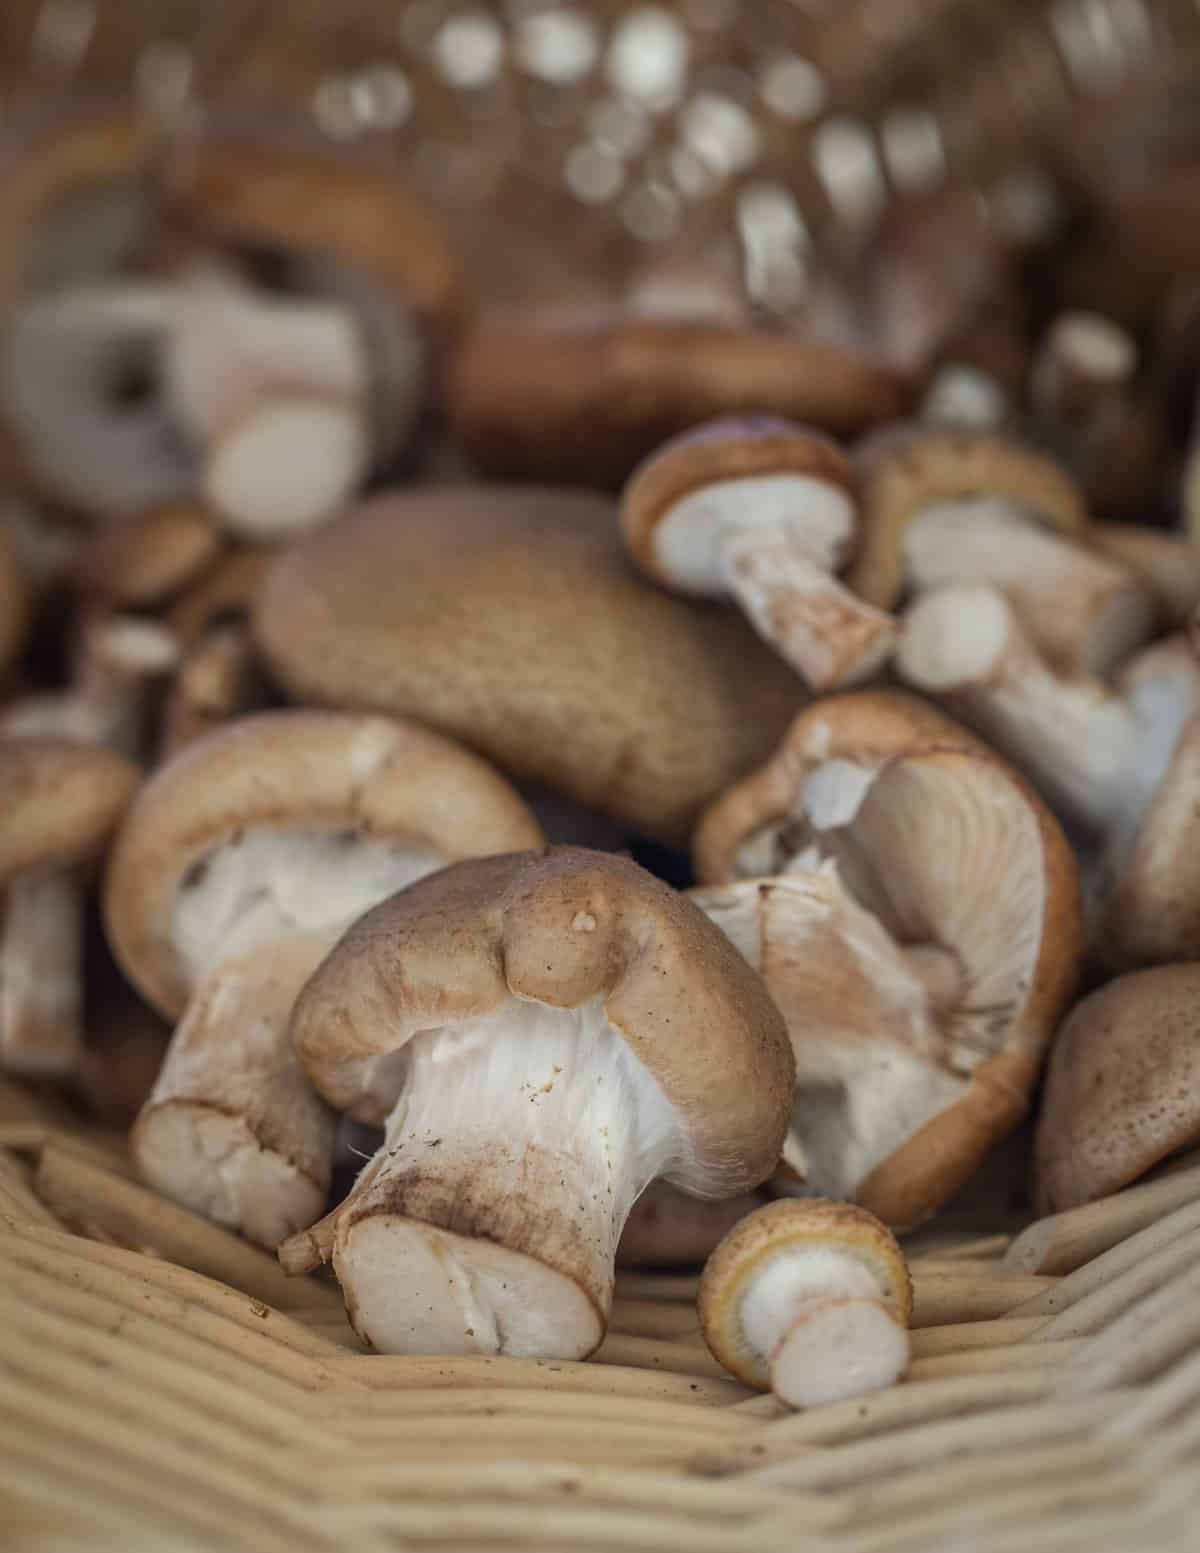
<point>62,801</point>
<point>731,448</point>
<point>16,605</point>
<point>864,727</point>
<point>291,772</point>
<point>226,591</point>
<point>583,397</point>
<point>907,469</point>
<point>150,556</point>
<point>773,1231</point>
<point>562,928</point>
<point>1122,1090</point>
<point>263,188</point>
<point>510,618</point>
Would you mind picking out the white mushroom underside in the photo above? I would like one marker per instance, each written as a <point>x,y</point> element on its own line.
<point>527,1135</point>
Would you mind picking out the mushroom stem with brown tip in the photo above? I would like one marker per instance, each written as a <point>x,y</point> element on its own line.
<point>811,1299</point>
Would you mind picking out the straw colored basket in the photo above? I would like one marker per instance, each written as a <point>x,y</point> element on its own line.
<point>162,1384</point>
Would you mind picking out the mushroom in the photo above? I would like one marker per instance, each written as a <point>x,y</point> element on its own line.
<point>239,865</point>
<point>15,605</point>
<point>152,557</point>
<point>223,594</point>
<point>918,1004</point>
<point>1122,1089</point>
<point>81,405</point>
<point>1167,564</point>
<point>219,678</point>
<point>950,506</point>
<point>583,395</point>
<point>510,618</point>
<point>763,510</point>
<point>811,1300</point>
<point>670,1228</point>
<point>62,801</point>
<point>546,1034</point>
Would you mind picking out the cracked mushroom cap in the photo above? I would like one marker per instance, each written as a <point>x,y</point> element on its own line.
<point>745,832</point>
<point>562,928</point>
<point>1122,1090</point>
<point>906,470</point>
<point>510,618</point>
<point>584,395</point>
<point>62,801</point>
<point>281,777</point>
<point>786,1231</point>
<point>264,189</point>
<point>16,605</point>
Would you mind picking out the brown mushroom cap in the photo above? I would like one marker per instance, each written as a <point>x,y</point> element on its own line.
<point>773,1231</point>
<point>227,590</point>
<point>61,802</point>
<point>582,399</point>
<point>299,196</point>
<point>510,618</point>
<point>289,772</point>
<point>15,605</point>
<point>908,469</point>
<point>1123,1087</point>
<point>561,928</point>
<point>151,556</point>
<point>865,727</point>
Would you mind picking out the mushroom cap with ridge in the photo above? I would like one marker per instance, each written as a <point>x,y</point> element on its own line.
<point>510,618</point>
<point>1122,1090</point>
<point>562,928</point>
<point>62,801</point>
<point>287,772</point>
<point>906,469</point>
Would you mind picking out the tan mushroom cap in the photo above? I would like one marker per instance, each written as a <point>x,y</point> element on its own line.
<point>866,727</point>
<point>257,187</point>
<point>510,618</point>
<point>535,395</point>
<point>61,802</point>
<point>288,772</point>
<point>563,927</point>
<point>152,556</point>
<point>787,1225</point>
<point>908,469</point>
<point>227,590</point>
<point>1123,1087</point>
<point>733,448</point>
<point>16,605</point>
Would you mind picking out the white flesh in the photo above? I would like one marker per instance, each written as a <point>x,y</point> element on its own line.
<point>1086,612</point>
<point>960,395</point>
<point>775,543</point>
<point>489,1221</point>
<point>41,988</point>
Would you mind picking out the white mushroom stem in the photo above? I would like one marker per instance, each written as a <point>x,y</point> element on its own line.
<point>489,1221</point>
<point>962,395</point>
<point>232,1129</point>
<point>1084,361</point>
<point>1086,612</point>
<point>815,1313</point>
<point>41,999</point>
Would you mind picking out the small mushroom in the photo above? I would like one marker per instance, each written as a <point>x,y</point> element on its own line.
<point>670,1228</point>
<point>16,605</point>
<point>1122,1089</point>
<point>511,619</point>
<point>152,557</point>
<point>225,593</point>
<point>918,1006</point>
<point>583,395</point>
<point>62,802</point>
<point>811,1300</point>
<point>764,511</point>
<point>1167,564</point>
<point>546,1034</point>
<point>943,506</point>
<point>219,678</point>
<point>240,864</point>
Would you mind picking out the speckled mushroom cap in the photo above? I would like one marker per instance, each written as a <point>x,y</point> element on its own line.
<point>261,186</point>
<point>562,927</point>
<point>61,802</point>
<point>866,727</point>
<point>732,448</point>
<point>583,396</point>
<point>906,469</point>
<point>510,618</point>
<point>1122,1090</point>
<point>285,773</point>
<point>774,1230</point>
<point>15,605</point>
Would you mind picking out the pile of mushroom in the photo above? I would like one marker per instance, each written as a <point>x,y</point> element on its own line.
<point>656,775</point>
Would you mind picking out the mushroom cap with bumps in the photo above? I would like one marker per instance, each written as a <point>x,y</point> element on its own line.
<point>510,618</point>
<point>61,802</point>
<point>562,928</point>
<point>1122,1090</point>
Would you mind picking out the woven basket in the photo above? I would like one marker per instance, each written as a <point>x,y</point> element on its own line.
<point>163,1384</point>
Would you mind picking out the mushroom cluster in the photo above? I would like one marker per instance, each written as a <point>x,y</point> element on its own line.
<point>657,775</point>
